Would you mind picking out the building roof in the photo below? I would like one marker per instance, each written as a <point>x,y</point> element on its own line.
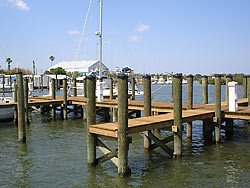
<point>72,66</point>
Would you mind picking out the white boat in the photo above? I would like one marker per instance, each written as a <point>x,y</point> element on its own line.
<point>6,114</point>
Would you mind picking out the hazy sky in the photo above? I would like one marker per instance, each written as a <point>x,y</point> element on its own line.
<point>152,36</point>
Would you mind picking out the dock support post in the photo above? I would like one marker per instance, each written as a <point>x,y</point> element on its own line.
<point>133,88</point>
<point>147,106</point>
<point>248,90</point>
<point>208,123</point>
<point>189,103</point>
<point>65,99</point>
<point>91,117</point>
<point>229,78</point>
<point>85,87</point>
<point>75,95</point>
<point>123,144</point>
<point>15,100</point>
<point>53,97</point>
<point>111,88</point>
<point>26,99</point>
<point>20,108</point>
<point>42,82</point>
<point>244,86</point>
<point>217,101</point>
<point>177,99</point>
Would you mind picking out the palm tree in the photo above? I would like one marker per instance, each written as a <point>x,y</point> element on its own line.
<point>8,60</point>
<point>52,58</point>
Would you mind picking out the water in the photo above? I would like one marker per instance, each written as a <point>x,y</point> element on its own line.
<point>56,156</point>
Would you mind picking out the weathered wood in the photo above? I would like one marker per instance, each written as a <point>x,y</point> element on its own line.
<point>111,93</point>
<point>160,144</point>
<point>15,100</point>
<point>189,103</point>
<point>133,88</point>
<point>53,98</point>
<point>217,94</point>
<point>65,103</point>
<point>147,107</point>
<point>123,169</point>
<point>248,90</point>
<point>108,154</point>
<point>164,141</point>
<point>26,99</point>
<point>91,118</point>
<point>177,99</point>
<point>75,95</point>
<point>204,90</point>
<point>244,85</point>
<point>20,108</point>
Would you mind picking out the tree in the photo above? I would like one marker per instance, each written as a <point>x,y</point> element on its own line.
<point>58,70</point>
<point>8,61</point>
<point>52,58</point>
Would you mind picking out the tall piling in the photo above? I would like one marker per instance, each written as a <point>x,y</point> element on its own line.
<point>208,123</point>
<point>26,99</point>
<point>20,108</point>
<point>217,100</point>
<point>133,88</point>
<point>41,82</point>
<point>244,85</point>
<point>177,99</point>
<point>74,88</point>
<point>91,117</point>
<point>111,92</point>
<point>189,103</point>
<point>65,99</point>
<point>248,89</point>
<point>123,144</point>
<point>147,106</point>
<point>15,100</point>
<point>53,84</point>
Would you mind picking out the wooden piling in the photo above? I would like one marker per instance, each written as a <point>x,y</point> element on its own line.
<point>15,100</point>
<point>91,117</point>
<point>85,87</point>
<point>26,99</point>
<point>177,99</point>
<point>244,86</point>
<point>20,108</point>
<point>65,99</point>
<point>204,90</point>
<point>217,100</point>
<point>208,123</point>
<point>147,107</point>
<point>123,169</point>
<point>189,103</point>
<point>41,82</point>
<point>53,84</point>
<point>133,88</point>
<point>115,114</point>
<point>248,89</point>
<point>229,78</point>
<point>111,88</point>
<point>74,88</point>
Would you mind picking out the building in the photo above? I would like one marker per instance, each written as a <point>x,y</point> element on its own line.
<point>79,66</point>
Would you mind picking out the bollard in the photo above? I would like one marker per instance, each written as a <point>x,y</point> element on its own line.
<point>26,99</point>
<point>244,86</point>
<point>133,88</point>
<point>147,107</point>
<point>189,103</point>
<point>111,88</point>
<point>229,78</point>
<point>177,99</point>
<point>217,100</point>
<point>20,108</point>
<point>15,100</point>
<point>65,99</point>
<point>91,117</point>
<point>123,144</point>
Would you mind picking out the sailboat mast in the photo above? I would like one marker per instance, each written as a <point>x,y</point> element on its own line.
<point>100,56</point>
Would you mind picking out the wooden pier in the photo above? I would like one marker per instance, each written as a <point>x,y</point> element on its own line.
<point>169,116</point>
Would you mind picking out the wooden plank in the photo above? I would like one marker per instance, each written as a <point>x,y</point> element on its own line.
<point>164,141</point>
<point>112,134</point>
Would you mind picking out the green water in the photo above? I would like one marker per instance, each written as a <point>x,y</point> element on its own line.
<point>55,156</point>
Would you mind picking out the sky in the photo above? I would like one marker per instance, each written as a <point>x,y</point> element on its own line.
<point>151,36</point>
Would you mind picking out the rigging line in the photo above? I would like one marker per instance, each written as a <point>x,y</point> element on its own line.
<point>83,29</point>
<point>158,89</point>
